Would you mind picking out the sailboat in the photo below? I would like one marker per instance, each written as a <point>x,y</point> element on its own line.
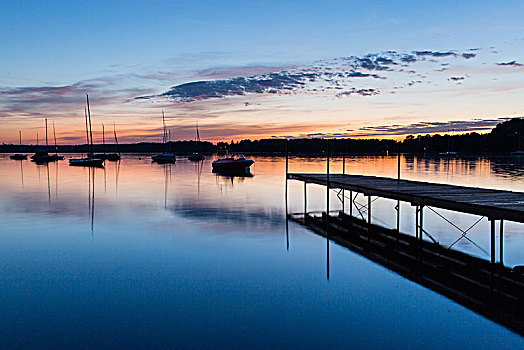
<point>43,156</point>
<point>56,156</point>
<point>19,156</point>
<point>114,156</point>
<point>104,154</point>
<point>196,156</point>
<point>166,156</point>
<point>89,160</point>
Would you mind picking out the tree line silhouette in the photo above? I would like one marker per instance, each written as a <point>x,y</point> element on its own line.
<point>506,137</point>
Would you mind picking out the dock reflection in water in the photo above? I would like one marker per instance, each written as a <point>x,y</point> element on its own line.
<point>182,257</point>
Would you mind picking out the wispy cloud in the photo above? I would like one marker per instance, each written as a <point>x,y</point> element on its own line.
<point>510,64</point>
<point>338,75</point>
<point>430,127</point>
<point>435,53</point>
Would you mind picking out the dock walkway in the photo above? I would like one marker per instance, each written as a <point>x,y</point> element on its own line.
<point>494,204</point>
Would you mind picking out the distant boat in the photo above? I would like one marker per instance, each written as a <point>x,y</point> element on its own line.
<point>107,156</point>
<point>114,156</point>
<point>19,156</point>
<point>232,163</point>
<point>166,156</point>
<point>96,162</point>
<point>44,156</point>
<point>56,156</point>
<point>89,160</point>
<point>102,155</point>
<point>448,154</point>
<point>196,156</point>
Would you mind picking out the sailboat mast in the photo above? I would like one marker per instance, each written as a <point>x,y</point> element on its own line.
<point>116,140</point>
<point>103,139</point>
<point>54,135</point>
<point>198,135</point>
<point>20,136</point>
<point>46,132</point>
<point>90,127</point>
<point>87,130</point>
<point>37,138</point>
<point>165,135</point>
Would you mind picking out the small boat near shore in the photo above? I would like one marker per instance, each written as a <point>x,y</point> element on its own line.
<point>448,154</point>
<point>167,156</point>
<point>43,156</point>
<point>232,163</point>
<point>107,156</point>
<point>96,162</point>
<point>196,156</point>
<point>19,156</point>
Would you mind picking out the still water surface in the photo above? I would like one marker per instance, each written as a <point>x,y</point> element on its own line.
<point>164,256</point>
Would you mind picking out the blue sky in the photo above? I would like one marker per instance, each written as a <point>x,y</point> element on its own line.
<point>120,50</point>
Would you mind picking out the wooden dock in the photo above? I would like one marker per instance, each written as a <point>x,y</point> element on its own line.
<point>493,204</point>
<point>485,286</point>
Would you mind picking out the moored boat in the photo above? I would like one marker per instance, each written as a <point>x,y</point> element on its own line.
<point>90,160</point>
<point>87,162</point>
<point>448,154</point>
<point>166,156</point>
<point>42,156</point>
<point>19,156</point>
<point>196,156</point>
<point>232,163</point>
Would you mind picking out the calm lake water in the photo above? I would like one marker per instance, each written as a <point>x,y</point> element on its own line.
<point>142,255</point>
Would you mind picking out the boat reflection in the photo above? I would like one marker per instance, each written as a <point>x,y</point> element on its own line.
<point>225,181</point>
<point>512,166</point>
<point>91,199</point>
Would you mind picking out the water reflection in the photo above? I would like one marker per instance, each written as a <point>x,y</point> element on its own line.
<point>91,198</point>
<point>193,257</point>
<point>512,167</point>
<point>225,181</point>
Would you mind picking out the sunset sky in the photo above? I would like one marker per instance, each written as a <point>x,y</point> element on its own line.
<point>258,69</point>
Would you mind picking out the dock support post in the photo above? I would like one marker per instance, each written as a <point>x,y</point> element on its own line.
<point>421,217</point>
<point>350,203</point>
<point>416,221</point>
<point>398,219</point>
<point>492,265</point>
<point>420,232</point>
<point>305,200</point>
<point>327,187</point>
<point>287,171</point>
<point>501,242</point>
<point>492,242</point>
<point>369,210</point>
<point>398,162</point>
<point>343,173</point>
